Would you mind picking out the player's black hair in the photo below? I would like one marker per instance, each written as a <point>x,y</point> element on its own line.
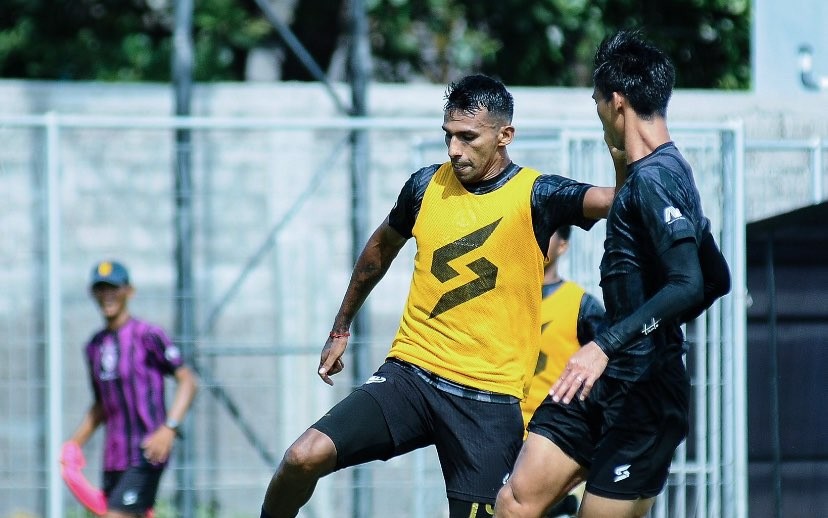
<point>564,231</point>
<point>628,64</point>
<point>472,93</point>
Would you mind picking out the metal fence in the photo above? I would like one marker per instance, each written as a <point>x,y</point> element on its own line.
<point>271,259</point>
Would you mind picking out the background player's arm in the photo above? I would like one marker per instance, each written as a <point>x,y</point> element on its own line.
<point>90,422</point>
<point>382,247</point>
<point>187,386</point>
<point>158,445</point>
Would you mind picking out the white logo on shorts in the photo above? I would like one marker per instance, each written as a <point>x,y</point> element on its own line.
<point>505,478</point>
<point>622,472</point>
<point>130,497</point>
<point>375,379</point>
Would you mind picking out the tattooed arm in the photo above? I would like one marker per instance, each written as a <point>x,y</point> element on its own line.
<point>375,259</point>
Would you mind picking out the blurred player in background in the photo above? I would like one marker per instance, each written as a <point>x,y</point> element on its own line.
<point>464,354</point>
<point>570,318</point>
<point>620,408</point>
<point>127,362</point>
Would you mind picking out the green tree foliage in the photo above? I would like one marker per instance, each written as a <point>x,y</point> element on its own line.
<point>524,42</point>
<point>551,42</point>
<point>122,40</point>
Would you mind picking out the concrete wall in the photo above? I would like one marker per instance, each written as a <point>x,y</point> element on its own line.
<point>116,202</point>
<point>780,29</point>
<point>765,116</point>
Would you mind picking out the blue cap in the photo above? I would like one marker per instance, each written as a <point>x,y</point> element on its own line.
<point>109,272</point>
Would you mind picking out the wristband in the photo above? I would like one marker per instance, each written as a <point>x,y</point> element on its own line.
<point>346,334</point>
<point>173,425</point>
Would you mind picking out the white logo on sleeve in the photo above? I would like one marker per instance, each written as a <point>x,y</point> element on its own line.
<point>622,472</point>
<point>375,379</point>
<point>172,353</point>
<point>651,326</point>
<point>672,214</point>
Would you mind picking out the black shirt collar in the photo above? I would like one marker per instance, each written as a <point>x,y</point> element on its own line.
<point>493,183</point>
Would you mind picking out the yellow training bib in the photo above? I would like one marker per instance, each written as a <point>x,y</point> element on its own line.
<point>559,341</point>
<point>472,314</point>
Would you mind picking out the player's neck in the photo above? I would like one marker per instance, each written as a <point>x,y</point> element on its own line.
<point>642,137</point>
<point>551,275</point>
<point>116,322</point>
<point>498,166</point>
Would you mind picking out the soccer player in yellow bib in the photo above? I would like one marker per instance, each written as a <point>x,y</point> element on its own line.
<point>468,338</point>
<point>570,318</point>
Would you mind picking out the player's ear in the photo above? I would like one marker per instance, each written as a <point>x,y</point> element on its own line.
<point>618,101</point>
<point>505,135</point>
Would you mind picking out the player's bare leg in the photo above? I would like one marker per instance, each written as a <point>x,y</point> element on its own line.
<point>309,458</point>
<point>543,474</point>
<point>594,506</point>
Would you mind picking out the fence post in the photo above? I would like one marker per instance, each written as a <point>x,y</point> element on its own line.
<point>54,341</point>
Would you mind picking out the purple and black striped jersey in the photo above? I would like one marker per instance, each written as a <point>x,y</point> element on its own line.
<point>127,369</point>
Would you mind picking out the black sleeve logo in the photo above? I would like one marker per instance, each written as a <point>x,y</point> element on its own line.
<point>486,271</point>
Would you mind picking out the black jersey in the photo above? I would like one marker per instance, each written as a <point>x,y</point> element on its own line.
<point>555,201</point>
<point>657,206</point>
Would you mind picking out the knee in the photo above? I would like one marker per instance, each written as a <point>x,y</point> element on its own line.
<point>506,505</point>
<point>510,504</point>
<point>312,455</point>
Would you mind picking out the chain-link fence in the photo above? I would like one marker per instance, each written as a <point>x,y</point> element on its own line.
<point>271,253</point>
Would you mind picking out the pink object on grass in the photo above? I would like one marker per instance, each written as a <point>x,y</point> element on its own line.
<point>72,460</point>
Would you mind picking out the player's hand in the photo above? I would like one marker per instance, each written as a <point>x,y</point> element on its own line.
<point>158,445</point>
<point>330,361</point>
<point>71,456</point>
<point>581,372</point>
<point>72,460</point>
<point>619,156</point>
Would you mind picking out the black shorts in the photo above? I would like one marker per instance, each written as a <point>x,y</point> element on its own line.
<point>625,433</point>
<point>397,411</point>
<point>132,491</point>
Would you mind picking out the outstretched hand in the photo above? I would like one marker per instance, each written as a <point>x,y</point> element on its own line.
<point>618,155</point>
<point>330,361</point>
<point>581,372</point>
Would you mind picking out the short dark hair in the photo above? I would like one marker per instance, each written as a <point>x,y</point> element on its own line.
<point>564,231</point>
<point>628,64</point>
<point>472,93</point>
